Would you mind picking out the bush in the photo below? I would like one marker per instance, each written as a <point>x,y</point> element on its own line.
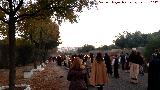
<point>24,54</point>
<point>4,56</point>
<point>151,46</point>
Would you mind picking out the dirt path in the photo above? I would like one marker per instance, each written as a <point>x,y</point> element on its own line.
<point>52,77</point>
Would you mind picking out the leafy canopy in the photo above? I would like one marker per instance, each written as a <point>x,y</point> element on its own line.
<point>59,9</point>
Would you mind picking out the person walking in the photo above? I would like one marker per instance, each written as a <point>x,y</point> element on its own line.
<point>122,58</point>
<point>135,60</point>
<point>108,64</point>
<point>88,64</point>
<point>116,65</point>
<point>59,60</point>
<point>127,67</point>
<point>154,72</point>
<point>77,75</point>
<point>99,75</point>
<point>141,63</point>
<point>91,57</point>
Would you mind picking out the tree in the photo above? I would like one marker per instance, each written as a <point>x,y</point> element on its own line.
<point>154,43</point>
<point>43,35</point>
<point>10,14</point>
<point>86,48</point>
<point>105,47</point>
<point>24,52</point>
<point>112,46</point>
<point>130,40</point>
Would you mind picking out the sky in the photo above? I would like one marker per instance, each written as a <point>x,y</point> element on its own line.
<point>100,25</point>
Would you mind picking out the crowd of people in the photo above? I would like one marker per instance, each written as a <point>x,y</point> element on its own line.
<point>96,69</point>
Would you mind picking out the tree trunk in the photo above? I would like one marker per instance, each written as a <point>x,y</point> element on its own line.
<point>35,63</point>
<point>11,37</point>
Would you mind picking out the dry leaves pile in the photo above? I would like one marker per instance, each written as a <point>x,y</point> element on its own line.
<point>52,77</point>
<point>3,77</point>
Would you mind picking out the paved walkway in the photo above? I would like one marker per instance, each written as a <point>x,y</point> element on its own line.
<point>123,82</point>
<point>54,77</point>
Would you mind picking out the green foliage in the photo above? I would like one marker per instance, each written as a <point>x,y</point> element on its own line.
<point>18,10</point>
<point>110,47</point>
<point>43,31</point>
<point>3,55</point>
<point>103,48</point>
<point>130,40</point>
<point>50,44</point>
<point>154,43</point>
<point>3,29</point>
<point>86,48</point>
<point>149,41</point>
<point>24,54</point>
<point>59,9</point>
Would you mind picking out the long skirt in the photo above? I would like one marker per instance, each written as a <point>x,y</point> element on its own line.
<point>134,71</point>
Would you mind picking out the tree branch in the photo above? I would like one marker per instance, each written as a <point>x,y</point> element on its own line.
<point>26,15</point>
<point>23,16</point>
<point>4,20</point>
<point>4,10</point>
<point>19,6</point>
<point>35,13</point>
